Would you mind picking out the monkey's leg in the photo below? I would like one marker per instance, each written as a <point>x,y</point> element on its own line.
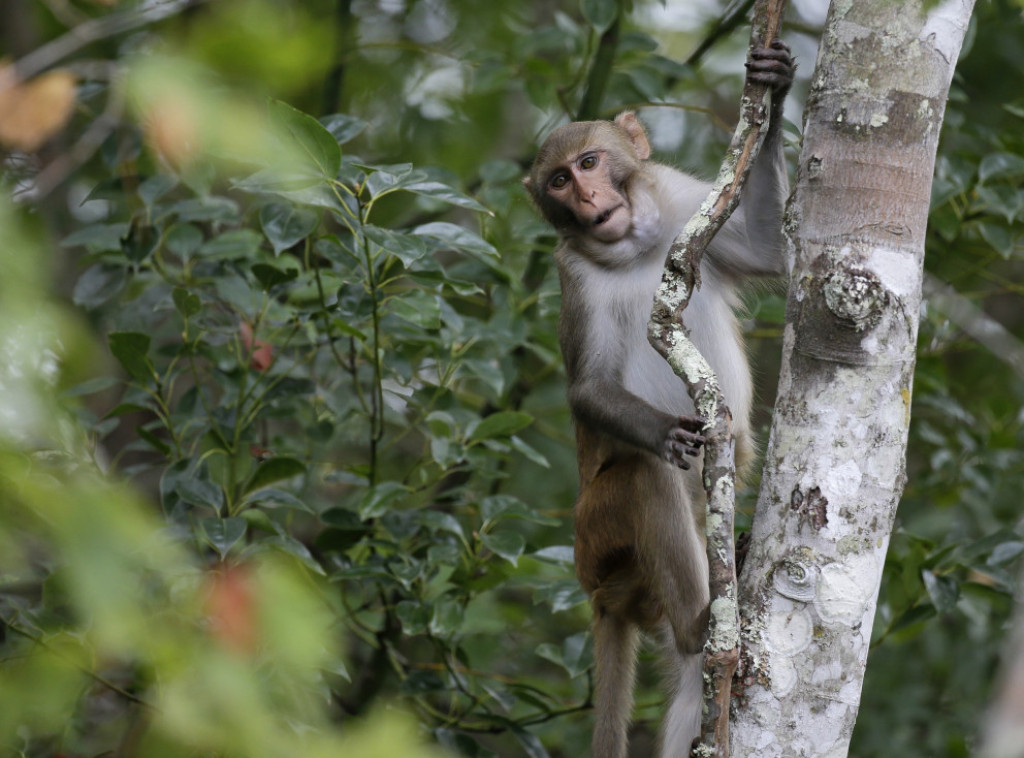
<point>615,641</point>
<point>674,554</point>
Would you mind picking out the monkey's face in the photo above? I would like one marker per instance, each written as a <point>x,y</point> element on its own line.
<point>582,176</point>
<point>586,186</point>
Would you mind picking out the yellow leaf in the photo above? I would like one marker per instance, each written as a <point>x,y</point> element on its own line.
<point>31,112</point>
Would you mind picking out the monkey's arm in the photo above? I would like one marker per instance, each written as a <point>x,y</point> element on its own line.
<point>608,407</point>
<point>595,348</point>
<point>751,242</point>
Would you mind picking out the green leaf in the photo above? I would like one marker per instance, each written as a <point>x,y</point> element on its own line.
<point>98,285</point>
<point>447,616</point>
<point>422,683</point>
<point>274,470</point>
<point>998,237</point>
<point>130,349</point>
<point>232,245</point>
<point>285,225</point>
<point>387,179</point>
<point>90,386</point>
<point>447,235</point>
<point>600,14</point>
<point>561,595</point>
<point>207,208</point>
<point>270,276</point>
<point>574,655</point>
<point>500,424</point>
<point>379,499</point>
<point>155,187</point>
<point>140,242</point>
<point>200,492</point>
<point>437,521</point>
<point>183,240</point>
<point>97,238</point>
<point>405,247</point>
<point>509,545</point>
<point>414,617</point>
<point>529,452</point>
<point>152,440</point>
<point>296,549</point>
<point>531,744</point>
<point>562,554</point>
<point>271,498</point>
<point>1000,166</point>
<point>343,127</point>
<point>419,308</point>
<point>187,303</point>
<point>943,591</point>
<point>440,191</point>
<point>311,138</point>
<point>223,533</point>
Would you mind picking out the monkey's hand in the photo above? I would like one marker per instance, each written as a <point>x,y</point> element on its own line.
<point>773,66</point>
<point>684,439</point>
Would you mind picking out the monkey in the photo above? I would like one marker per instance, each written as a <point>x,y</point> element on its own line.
<point>639,515</point>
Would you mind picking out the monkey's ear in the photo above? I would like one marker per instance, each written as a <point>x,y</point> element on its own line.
<point>628,121</point>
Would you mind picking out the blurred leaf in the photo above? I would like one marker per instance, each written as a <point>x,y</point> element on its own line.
<point>561,595</point>
<point>500,424</point>
<point>270,276</point>
<point>187,303</point>
<point>942,590</point>
<point>1000,166</point>
<point>343,127</point>
<point>223,533</point>
<point>98,284</point>
<point>130,349</point>
<point>509,545</point>
<point>232,245</point>
<point>530,743</point>
<point>574,655</point>
<point>447,617</point>
<point>97,237</point>
<point>379,499</point>
<point>274,470</point>
<point>600,14</point>
<point>285,224</point>
<point>271,498</point>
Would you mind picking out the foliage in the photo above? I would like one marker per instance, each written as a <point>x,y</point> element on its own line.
<point>329,372</point>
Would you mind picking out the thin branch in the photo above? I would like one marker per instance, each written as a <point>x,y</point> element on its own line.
<point>722,29</point>
<point>668,335</point>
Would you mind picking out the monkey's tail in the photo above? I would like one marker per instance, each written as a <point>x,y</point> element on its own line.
<point>681,724</point>
<point>615,641</point>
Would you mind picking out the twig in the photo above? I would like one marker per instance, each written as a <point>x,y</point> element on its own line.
<point>667,334</point>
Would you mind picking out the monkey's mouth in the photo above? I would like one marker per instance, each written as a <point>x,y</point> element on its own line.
<point>605,215</point>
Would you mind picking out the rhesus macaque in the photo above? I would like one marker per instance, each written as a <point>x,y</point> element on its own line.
<point>640,512</point>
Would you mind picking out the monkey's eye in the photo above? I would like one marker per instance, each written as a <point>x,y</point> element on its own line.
<point>588,162</point>
<point>559,181</point>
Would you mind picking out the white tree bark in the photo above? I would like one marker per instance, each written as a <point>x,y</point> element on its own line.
<point>835,462</point>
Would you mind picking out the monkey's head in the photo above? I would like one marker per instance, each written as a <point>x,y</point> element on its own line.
<point>581,176</point>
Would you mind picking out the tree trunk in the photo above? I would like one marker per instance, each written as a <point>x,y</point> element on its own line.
<point>835,463</point>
